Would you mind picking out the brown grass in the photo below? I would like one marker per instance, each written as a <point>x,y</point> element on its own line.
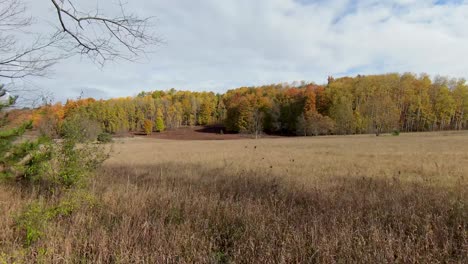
<point>330,199</point>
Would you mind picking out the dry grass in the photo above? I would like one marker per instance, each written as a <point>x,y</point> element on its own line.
<point>330,199</point>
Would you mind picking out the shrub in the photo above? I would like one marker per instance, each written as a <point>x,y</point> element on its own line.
<point>50,165</point>
<point>80,128</point>
<point>104,137</point>
<point>314,124</point>
<point>74,163</point>
<point>32,221</point>
<point>49,126</point>
<point>52,171</point>
<point>396,132</point>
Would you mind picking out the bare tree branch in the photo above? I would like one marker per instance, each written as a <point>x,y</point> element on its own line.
<point>99,37</point>
<point>103,38</point>
<point>12,15</point>
<point>18,60</point>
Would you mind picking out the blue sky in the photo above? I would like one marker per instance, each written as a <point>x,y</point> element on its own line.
<point>217,45</point>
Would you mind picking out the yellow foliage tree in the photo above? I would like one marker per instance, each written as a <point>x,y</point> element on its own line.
<point>148,126</point>
<point>160,121</point>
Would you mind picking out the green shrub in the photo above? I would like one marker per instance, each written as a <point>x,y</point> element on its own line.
<point>396,132</point>
<point>104,137</point>
<point>32,221</point>
<point>80,128</point>
<point>58,169</point>
<point>75,163</point>
<point>54,165</point>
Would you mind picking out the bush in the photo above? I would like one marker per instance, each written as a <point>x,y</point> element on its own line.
<point>104,137</point>
<point>33,220</point>
<point>49,126</point>
<point>54,172</point>
<point>314,124</point>
<point>396,132</point>
<point>80,128</point>
<point>76,163</point>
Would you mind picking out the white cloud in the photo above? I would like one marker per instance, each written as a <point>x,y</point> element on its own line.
<point>216,45</point>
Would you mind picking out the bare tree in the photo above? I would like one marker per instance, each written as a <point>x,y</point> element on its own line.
<point>93,34</point>
<point>256,124</point>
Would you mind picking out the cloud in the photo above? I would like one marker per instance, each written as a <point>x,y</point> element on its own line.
<point>217,45</point>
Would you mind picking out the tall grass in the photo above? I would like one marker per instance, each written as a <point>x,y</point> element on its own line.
<point>193,212</point>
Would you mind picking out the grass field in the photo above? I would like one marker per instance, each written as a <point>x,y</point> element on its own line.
<point>281,200</point>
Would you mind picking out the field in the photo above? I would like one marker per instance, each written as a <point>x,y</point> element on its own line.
<point>327,199</point>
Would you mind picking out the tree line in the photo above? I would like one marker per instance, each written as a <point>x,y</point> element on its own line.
<point>349,105</point>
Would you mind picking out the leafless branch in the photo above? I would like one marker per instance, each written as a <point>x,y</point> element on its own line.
<point>103,38</point>
<point>21,60</point>
<point>92,34</point>
<point>12,15</point>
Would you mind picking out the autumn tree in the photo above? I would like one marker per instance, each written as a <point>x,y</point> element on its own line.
<point>148,127</point>
<point>348,105</point>
<point>443,105</point>
<point>48,119</point>
<point>314,124</point>
<point>460,96</point>
<point>382,113</point>
<point>160,127</point>
<point>342,112</point>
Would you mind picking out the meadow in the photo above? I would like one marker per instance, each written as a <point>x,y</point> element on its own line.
<point>331,199</point>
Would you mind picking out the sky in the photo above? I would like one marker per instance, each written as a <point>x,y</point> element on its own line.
<point>213,45</point>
